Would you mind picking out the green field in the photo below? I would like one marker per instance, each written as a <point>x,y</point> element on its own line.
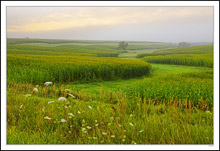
<point>120,97</point>
<point>192,56</point>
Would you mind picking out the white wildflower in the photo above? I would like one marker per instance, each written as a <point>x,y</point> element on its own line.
<point>103,133</point>
<point>112,136</point>
<point>47,118</point>
<point>141,131</point>
<point>133,142</point>
<point>84,130</point>
<point>47,83</point>
<point>35,90</point>
<point>27,95</point>
<point>72,96</point>
<point>88,127</point>
<point>131,124</point>
<point>63,120</point>
<point>96,125</point>
<point>79,112</point>
<point>90,107</point>
<point>66,106</point>
<point>62,99</point>
<point>50,102</point>
<point>71,114</point>
<point>21,106</point>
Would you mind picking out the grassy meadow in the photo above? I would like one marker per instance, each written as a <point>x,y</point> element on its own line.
<point>92,92</point>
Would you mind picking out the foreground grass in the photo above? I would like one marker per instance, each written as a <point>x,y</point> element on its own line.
<point>37,120</point>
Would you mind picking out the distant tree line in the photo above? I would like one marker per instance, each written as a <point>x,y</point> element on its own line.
<point>122,45</point>
<point>183,44</point>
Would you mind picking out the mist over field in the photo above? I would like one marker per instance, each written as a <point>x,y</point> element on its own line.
<point>163,24</point>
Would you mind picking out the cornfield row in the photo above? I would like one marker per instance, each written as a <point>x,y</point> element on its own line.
<point>67,50</point>
<point>192,60</point>
<point>39,68</point>
<point>196,87</point>
<point>208,49</point>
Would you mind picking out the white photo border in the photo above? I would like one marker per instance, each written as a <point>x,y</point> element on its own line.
<point>214,4</point>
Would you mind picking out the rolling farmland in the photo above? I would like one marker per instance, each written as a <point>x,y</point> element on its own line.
<point>92,92</point>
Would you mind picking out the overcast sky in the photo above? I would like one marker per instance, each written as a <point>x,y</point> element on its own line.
<point>165,24</point>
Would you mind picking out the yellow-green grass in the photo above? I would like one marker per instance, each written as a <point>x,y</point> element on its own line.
<point>33,120</point>
<point>206,49</point>
<point>205,60</point>
<point>171,105</point>
<point>194,87</point>
<point>70,50</point>
<point>98,48</point>
<point>40,68</point>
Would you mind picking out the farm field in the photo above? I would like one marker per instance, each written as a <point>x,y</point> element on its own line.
<point>91,92</point>
<point>193,56</point>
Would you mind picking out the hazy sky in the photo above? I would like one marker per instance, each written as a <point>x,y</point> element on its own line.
<point>168,24</point>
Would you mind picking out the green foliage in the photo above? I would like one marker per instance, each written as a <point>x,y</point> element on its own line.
<point>41,68</point>
<point>171,105</point>
<point>208,49</point>
<point>183,44</point>
<point>196,87</point>
<point>205,60</point>
<point>37,120</point>
<point>69,50</point>
<point>122,45</point>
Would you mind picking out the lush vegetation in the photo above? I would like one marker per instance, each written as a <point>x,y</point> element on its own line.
<point>99,100</point>
<point>194,87</point>
<point>205,60</point>
<point>207,49</point>
<point>38,68</point>
<point>94,121</point>
<point>82,47</point>
<point>69,50</point>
